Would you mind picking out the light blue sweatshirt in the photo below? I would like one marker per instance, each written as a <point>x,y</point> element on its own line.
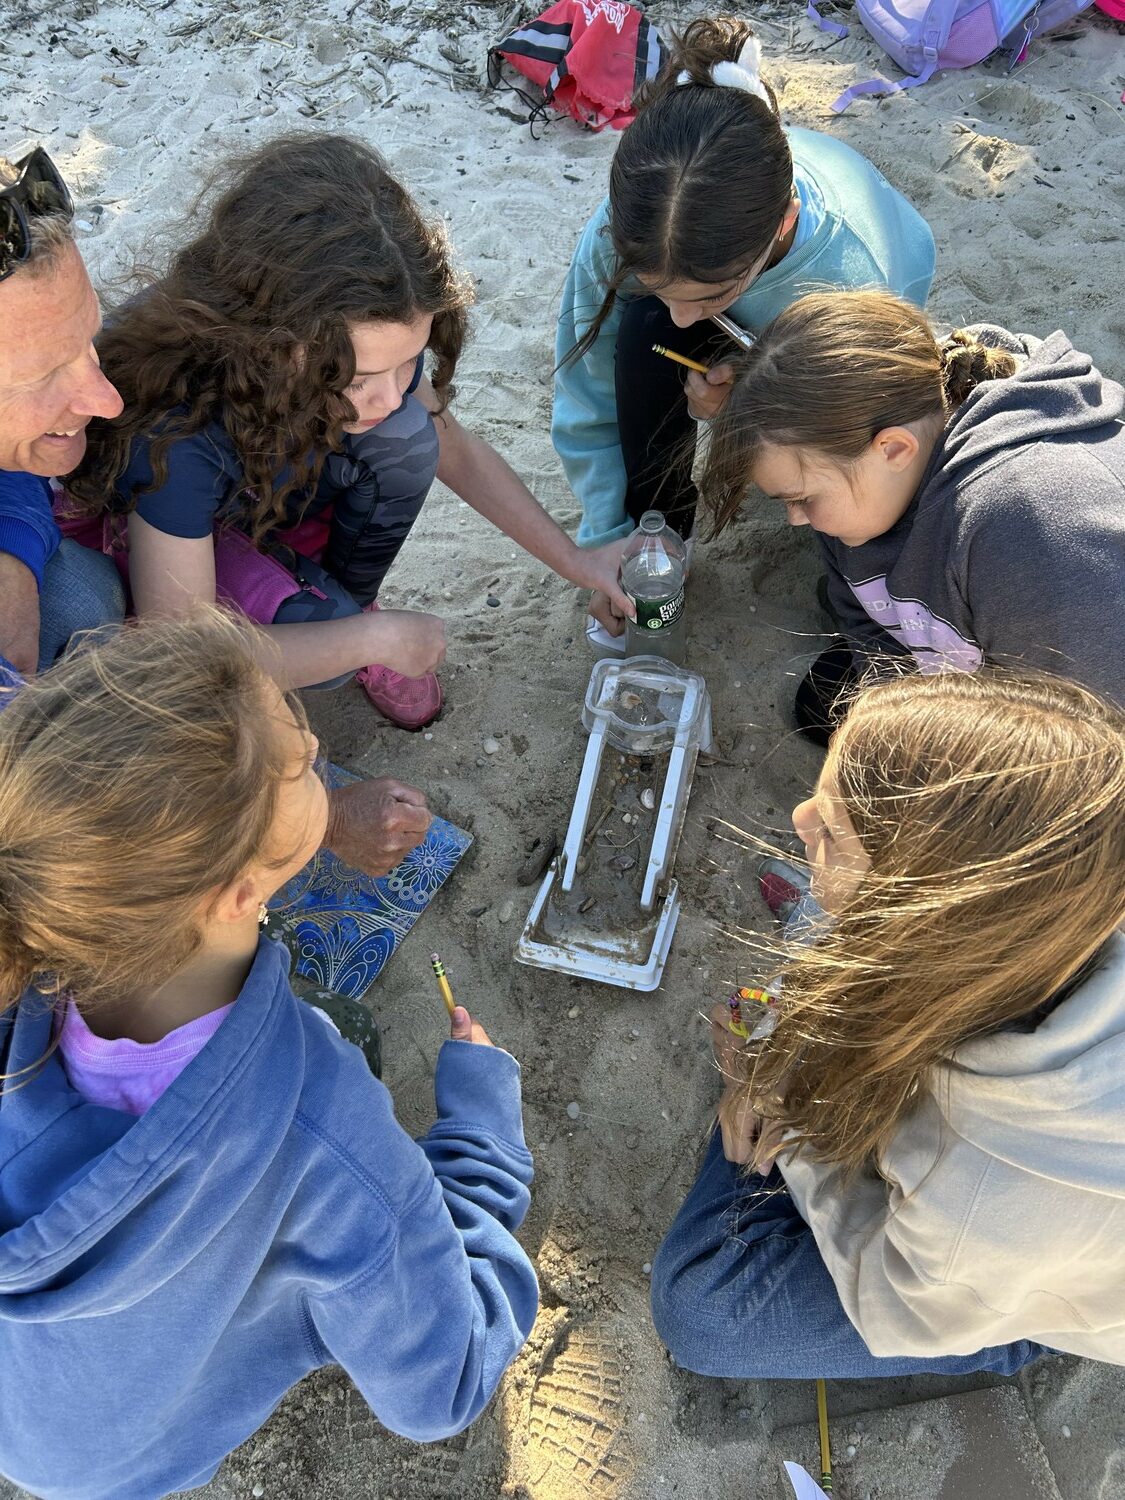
<point>164,1280</point>
<point>869,235</point>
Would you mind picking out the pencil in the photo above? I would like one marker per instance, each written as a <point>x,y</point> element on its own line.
<point>681,359</point>
<point>443,983</point>
<point>825,1449</point>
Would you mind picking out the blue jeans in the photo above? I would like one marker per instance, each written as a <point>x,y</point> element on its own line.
<point>739,1290</point>
<point>81,591</point>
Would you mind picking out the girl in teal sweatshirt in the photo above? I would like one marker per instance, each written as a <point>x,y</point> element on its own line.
<point>713,208</point>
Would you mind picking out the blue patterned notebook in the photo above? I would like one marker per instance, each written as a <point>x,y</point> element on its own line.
<point>348,924</point>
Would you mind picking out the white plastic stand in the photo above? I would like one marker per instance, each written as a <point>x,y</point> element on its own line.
<point>642,707</point>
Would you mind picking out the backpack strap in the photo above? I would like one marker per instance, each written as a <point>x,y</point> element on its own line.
<point>938,18</point>
<point>834,28</point>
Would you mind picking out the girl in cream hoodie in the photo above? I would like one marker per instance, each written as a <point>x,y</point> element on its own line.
<point>933,1131</point>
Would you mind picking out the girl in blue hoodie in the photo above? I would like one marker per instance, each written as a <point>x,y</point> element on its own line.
<point>204,1193</point>
<point>713,208</point>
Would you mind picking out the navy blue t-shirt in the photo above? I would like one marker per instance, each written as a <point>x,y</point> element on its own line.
<point>205,478</point>
<point>27,523</point>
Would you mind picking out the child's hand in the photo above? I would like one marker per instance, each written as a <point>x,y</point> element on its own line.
<point>603,608</point>
<point>599,569</point>
<point>748,1137</point>
<point>741,1127</point>
<point>707,394</point>
<point>462,1028</point>
<point>408,641</point>
<point>726,1046</point>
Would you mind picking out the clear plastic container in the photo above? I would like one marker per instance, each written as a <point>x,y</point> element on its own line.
<point>642,701</point>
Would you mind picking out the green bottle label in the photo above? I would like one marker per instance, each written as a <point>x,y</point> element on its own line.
<point>659,614</point>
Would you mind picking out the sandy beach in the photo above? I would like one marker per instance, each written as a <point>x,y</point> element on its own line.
<point>1021,178</point>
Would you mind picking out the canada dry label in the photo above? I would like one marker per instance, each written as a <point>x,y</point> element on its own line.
<point>658,614</point>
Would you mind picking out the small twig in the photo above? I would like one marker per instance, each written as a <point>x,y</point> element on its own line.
<point>634,840</point>
<point>335,104</point>
<point>961,149</point>
<point>277,41</point>
<point>591,832</point>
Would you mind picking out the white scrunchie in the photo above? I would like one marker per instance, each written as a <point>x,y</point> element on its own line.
<point>745,74</point>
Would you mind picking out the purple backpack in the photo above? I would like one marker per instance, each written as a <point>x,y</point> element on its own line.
<point>925,35</point>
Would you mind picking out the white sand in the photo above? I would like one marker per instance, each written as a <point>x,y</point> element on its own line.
<point>1021,179</point>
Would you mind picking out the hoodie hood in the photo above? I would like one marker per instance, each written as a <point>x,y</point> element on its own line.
<point>1055,393</point>
<point>98,1208</point>
<point>1051,1101</point>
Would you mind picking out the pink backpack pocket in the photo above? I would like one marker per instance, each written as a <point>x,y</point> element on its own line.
<point>255,583</point>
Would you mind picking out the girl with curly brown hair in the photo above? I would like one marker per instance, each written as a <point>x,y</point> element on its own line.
<point>968,494</point>
<point>280,434</point>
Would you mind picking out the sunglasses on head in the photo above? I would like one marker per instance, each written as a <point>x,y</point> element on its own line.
<point>37,191</point>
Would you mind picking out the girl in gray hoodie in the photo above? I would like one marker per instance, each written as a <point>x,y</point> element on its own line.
<point>933,1128</point>
<point>968,496</point>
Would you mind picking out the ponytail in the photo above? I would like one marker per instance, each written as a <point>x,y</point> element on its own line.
<point>967,363</point>
<point>703,177</point>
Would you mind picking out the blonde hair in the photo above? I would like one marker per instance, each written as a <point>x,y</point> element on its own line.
<point>136,776</point>
<point>991,808</point>
<point>828,374</point>
<point>48,234</point>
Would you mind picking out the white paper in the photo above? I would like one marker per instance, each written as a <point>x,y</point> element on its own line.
<point>804,1486</point>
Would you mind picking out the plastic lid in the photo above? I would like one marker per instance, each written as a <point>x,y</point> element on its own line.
<point>644,702</point>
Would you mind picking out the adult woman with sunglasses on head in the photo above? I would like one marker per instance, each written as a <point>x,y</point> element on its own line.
<point>280,434</point>
<point>50,388</point>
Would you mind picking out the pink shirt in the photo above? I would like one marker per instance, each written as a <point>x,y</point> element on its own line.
<point>129,1075</point>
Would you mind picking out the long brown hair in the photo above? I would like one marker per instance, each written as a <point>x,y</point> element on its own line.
<point>702,178</point>
<point>136,777</point>
<point>991,808</point>
<point>248,327</point>
<point>828,374</point>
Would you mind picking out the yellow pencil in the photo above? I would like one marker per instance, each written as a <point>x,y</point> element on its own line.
<point>443,983</point>
<point>681,359</point>
<point>825,1449</point>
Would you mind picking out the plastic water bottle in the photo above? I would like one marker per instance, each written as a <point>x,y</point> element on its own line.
<point>653,565</point>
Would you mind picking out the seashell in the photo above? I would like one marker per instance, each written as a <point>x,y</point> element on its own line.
<point>648,799</point>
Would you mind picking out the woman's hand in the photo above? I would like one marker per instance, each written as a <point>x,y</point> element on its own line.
<point>462,1028</point>
<point>407,641</point>
<point>707,394</point>
<point>373,824</point>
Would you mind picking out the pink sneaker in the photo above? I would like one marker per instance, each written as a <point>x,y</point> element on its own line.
<point>409,702</point>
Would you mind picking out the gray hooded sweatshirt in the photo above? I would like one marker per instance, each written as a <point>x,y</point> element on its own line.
<point>1013,549</point>
<point>1000,1214</point>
